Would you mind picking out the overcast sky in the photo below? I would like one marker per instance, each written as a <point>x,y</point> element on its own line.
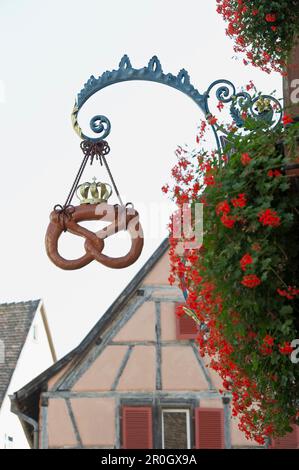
<point>48,51</point>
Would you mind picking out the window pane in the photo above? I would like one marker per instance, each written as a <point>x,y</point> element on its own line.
<point>175,430</point>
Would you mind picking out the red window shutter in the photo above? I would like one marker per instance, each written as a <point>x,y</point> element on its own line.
<point>289,441</point>
<point>137,428</point>
<point>209,428</point>
<point>186,327</point>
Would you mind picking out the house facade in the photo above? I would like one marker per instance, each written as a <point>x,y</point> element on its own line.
<point>26,350</point>
<point>135,381</point>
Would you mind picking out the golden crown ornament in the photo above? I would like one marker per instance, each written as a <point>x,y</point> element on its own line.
<point>94,193</point>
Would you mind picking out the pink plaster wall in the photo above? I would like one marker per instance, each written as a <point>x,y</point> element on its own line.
<point>160,273</point>
<point>101,374</point>
<point>95,418</point>
<point>140,371</point>
<point>60,429</point>
<point>141,326</point>
<point>211,403</point>
<point>180,369</point>
<point>168,321</point>
<point>52,381</point>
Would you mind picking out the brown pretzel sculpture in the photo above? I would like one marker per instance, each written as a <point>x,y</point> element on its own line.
<point>67,218</point>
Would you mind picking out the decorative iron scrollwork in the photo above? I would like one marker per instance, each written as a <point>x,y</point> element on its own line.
<point>261,107</point>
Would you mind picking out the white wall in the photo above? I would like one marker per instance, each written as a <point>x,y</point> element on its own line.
<point>34,359</point>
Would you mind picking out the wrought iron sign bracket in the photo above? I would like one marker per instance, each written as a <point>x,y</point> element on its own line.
<point>264,107</point>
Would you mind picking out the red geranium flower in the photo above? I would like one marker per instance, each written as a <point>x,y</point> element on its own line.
<point>222,208</point>
<point>245,159</point>
<point>240,201</point>
<point>250,86</point>
<point>266,350</point>
<point>228,222</point>
<point>268,340</point>
<point>212,120</point>
<point>247,259</point>
<point>179,310</point>
<point>269,217</point>
<point>274,173</point>
<point>271,17</point>
<point>251,281</point>
<point>290,293</point>
<point>287,119</point>
<point>286,348</point>
<point>209,180</point>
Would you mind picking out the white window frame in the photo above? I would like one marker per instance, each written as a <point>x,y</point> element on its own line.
<point>177,410</point>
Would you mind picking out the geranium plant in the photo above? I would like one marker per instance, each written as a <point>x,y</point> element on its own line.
<point>264,32</point>
<point>243,283</point>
